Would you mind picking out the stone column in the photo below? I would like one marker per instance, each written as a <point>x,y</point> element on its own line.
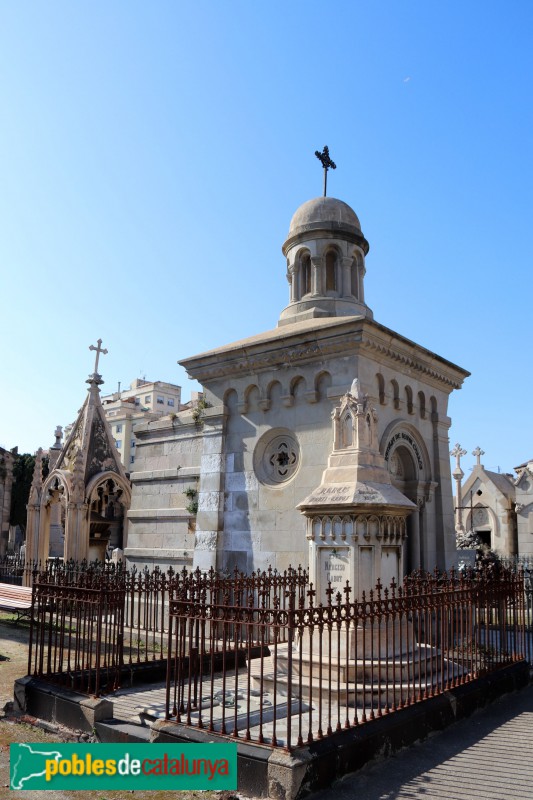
<point>76,532</point>
<point>414,541</point>
<point>5,505</point>
<point>291,277</point>
<point>77,520</point>
<point>316,275</point>
<point>458,476</point>
<point>361,272</point>
<point>34,510</point>
<point>347,277</point>
<point>443,553</point>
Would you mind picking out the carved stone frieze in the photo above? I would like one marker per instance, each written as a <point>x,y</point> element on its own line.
<point>101,458</point>
<point>407,360</point>
<point>326,343</point>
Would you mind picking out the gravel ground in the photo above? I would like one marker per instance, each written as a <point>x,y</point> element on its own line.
<point>14,637</point>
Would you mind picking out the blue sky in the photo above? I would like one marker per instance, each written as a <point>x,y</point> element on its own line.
<point>152,155</point>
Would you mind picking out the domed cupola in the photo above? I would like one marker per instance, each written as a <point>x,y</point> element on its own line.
<point>325,252</point>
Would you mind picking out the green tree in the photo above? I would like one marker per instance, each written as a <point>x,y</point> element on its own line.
<point>22,478</point>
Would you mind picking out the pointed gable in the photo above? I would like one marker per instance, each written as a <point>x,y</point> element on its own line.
<point>91,435</point>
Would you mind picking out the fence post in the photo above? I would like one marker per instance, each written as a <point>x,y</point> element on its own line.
<point>290,639</point>
<point>99,612</point>
<point>169,660</point>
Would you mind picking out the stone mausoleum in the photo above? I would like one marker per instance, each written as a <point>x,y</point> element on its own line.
<point>258,444</point>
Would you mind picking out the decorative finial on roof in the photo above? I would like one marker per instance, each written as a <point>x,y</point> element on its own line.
<point>96,377</point>
<point>58,433</point>
<point>478,452</point>
<point>458,452</point>
<point>327,163</point>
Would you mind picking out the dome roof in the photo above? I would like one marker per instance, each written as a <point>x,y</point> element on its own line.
<point>326,212</point>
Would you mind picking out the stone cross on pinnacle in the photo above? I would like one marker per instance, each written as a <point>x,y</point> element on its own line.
<point>478,452</point>
<point>458,452</point>
<point>98,351</point>
<point>327,163</point>
<point>458,475</point>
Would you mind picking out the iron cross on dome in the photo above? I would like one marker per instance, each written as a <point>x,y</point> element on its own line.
<point>326,162</point>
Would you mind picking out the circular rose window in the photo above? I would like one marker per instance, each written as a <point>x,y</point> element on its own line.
<point>276,457</point>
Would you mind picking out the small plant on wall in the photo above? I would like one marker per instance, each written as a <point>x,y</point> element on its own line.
<point>192,496</point>
<point>199,411</point>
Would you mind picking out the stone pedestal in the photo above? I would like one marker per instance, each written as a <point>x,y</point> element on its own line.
<point>356,518</point>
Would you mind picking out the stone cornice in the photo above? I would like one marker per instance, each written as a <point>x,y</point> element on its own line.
<point>397,355</point>
<point>328,230</point>
<point>316,341</point>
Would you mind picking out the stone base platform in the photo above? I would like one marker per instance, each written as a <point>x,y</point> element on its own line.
<point>265,771</point>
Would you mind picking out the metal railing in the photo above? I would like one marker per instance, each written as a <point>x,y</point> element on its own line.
<point>93,622</point>
<point>13,570</point>
<point>253,656</point>
<point>288,673</point>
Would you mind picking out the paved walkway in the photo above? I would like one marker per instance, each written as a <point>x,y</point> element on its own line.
<point>486,757</point>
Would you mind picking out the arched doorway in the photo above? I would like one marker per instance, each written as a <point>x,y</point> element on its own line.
<point>408,463</point>
<point>108,501</point>
<point>479,520</point>
<point>53,516</point>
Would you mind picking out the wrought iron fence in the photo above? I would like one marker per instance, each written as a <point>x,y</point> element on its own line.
<point>288,673</point>
<point>92,623</point>
<point>13,570</point>
<point>253,656</point>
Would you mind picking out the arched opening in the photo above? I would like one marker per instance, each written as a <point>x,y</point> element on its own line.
<point>422,404</point>
<point>54,511</point>
<point>251,398</point>
<point>479,521</point>
<point>354,278</point>
<point>274,394</point>
<point>331,271</point>
<point>298,388</point>
<point>381,389</point>
<point>322,384</point>
<point>395,394</point>
<point>305,272</point>
<point>347,431</point>
<point>405,477</point>
<point>409,399</point>
<point>108,505</point>
<point>53,518</point>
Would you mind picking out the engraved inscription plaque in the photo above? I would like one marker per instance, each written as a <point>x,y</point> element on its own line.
<point>333,567</point>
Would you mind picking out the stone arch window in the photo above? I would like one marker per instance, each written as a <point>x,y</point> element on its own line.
<point>298,388</point>
<point>433,406</point>
<point>369,430</point>
<point>422,404</point>
<point>322,384</point>
<point>305,275</point>
<point>409,399</point>
<point>331,272</point>
<point>347,431</point>
<point>395,394</point>
<point>250,399</point>
<point>231,401</point>
<point>381,389</point>
<point>354,278</point>
<point>273,393</point>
